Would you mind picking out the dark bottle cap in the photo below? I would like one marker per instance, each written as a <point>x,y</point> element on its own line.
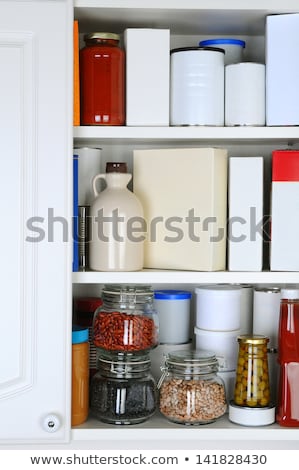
<point>116,167</point>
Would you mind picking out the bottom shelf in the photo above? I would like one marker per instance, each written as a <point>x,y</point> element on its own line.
<point>158,429</point>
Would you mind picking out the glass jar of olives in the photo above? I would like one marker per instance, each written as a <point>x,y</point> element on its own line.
<point>252,377</point>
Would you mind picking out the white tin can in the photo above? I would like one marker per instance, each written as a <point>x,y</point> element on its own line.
<point>218,307</point>
<point>223,343</point>
<point>197,86</point>
<point>245,94</point>
<point>266,311</point>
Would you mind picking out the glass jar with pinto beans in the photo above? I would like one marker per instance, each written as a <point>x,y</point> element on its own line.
<point>190,391</point>
<point>127,321</point>
<point>252,377</point>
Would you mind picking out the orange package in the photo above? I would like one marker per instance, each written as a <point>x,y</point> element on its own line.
<point>76,116</point>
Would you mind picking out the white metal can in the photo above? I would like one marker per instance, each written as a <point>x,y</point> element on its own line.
<point>266,310</point>
<point>245,95</point>
<point>197,86</point>
<point>218,307</point>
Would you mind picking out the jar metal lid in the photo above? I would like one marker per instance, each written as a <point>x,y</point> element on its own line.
<point>253,339</point>
<point>194,48</point>
<point>195,357</point>
<point>273,290</point>
<point>230,41</point>
<point>172,295</point>
<point>127,289</point>
<point>102,35</point>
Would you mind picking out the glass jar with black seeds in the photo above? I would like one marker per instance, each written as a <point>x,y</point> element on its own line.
<point>123,391</point>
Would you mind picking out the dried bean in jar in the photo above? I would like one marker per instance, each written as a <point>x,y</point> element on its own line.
<point>127,321</point>
<point>123,401</point>
<point>191,392</point>
<point>192,401</point>
<point>119,331</point>
<point>123,391</point>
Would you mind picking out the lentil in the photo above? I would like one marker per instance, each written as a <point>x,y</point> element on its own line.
<point>192,401</point>
<point>123,401</point>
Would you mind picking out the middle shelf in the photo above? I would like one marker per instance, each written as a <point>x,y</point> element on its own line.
<point>152,276</point>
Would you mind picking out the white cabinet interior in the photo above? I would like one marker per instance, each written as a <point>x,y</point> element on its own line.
<point>188,23</point>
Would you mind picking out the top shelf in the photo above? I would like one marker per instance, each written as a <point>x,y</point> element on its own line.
<point>188,17</point>
<point>89,134</point>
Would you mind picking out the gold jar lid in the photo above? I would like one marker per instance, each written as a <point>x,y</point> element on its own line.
<point>101,35</point>
<point>253,339</point>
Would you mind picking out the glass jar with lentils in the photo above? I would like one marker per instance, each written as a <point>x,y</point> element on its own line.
<point>190,392</point>
<point>123,390</point>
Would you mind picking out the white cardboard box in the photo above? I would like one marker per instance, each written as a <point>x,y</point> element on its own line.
<point>245,206</point>
<point>147,76</point>
<point>184,197</point>
<point>284,249</point>
<point>282,70</point>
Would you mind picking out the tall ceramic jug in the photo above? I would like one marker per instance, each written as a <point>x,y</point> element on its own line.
<point>117,223</point>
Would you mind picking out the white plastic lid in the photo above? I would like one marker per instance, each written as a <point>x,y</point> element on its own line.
<point>290,293</point>
<point>248,416</point>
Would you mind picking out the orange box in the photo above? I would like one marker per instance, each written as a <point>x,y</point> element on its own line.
<point>76,105</point>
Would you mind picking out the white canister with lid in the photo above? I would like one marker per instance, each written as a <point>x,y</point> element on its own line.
<point>266,312</point>
<point>245,94</point>
<point>233,48</point>
<point>197,86</point>
<point>223,343</point>
<point>173,309</point>
<point>218,307</point>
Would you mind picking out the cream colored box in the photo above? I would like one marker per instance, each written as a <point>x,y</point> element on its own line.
<point>184,196</point>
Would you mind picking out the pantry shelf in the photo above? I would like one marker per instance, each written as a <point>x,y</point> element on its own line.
<point>189,17</point>
<point>93,135</point>
<point>164,430</point>
<point>185,277</point>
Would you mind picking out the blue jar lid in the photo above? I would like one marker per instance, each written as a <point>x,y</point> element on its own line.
<point>172,295</point>
<point>211,42</point>
<point>79,334</point>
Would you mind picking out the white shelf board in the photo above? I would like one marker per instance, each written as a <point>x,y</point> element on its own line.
<point>159,429</point>
<point>87,134</point>
<point>151,276</point>
<point>188,17</point>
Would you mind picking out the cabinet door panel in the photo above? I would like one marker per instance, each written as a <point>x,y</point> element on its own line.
<point>35,190</point>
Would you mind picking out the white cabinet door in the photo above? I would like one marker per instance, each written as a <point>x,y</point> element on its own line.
<point>35,194</point>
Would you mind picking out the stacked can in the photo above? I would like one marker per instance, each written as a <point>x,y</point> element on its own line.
<point>218,313</point>
<point>266,309</point>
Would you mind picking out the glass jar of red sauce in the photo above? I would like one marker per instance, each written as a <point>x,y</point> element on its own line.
<point>102,80</point>
<point>287,412</point>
